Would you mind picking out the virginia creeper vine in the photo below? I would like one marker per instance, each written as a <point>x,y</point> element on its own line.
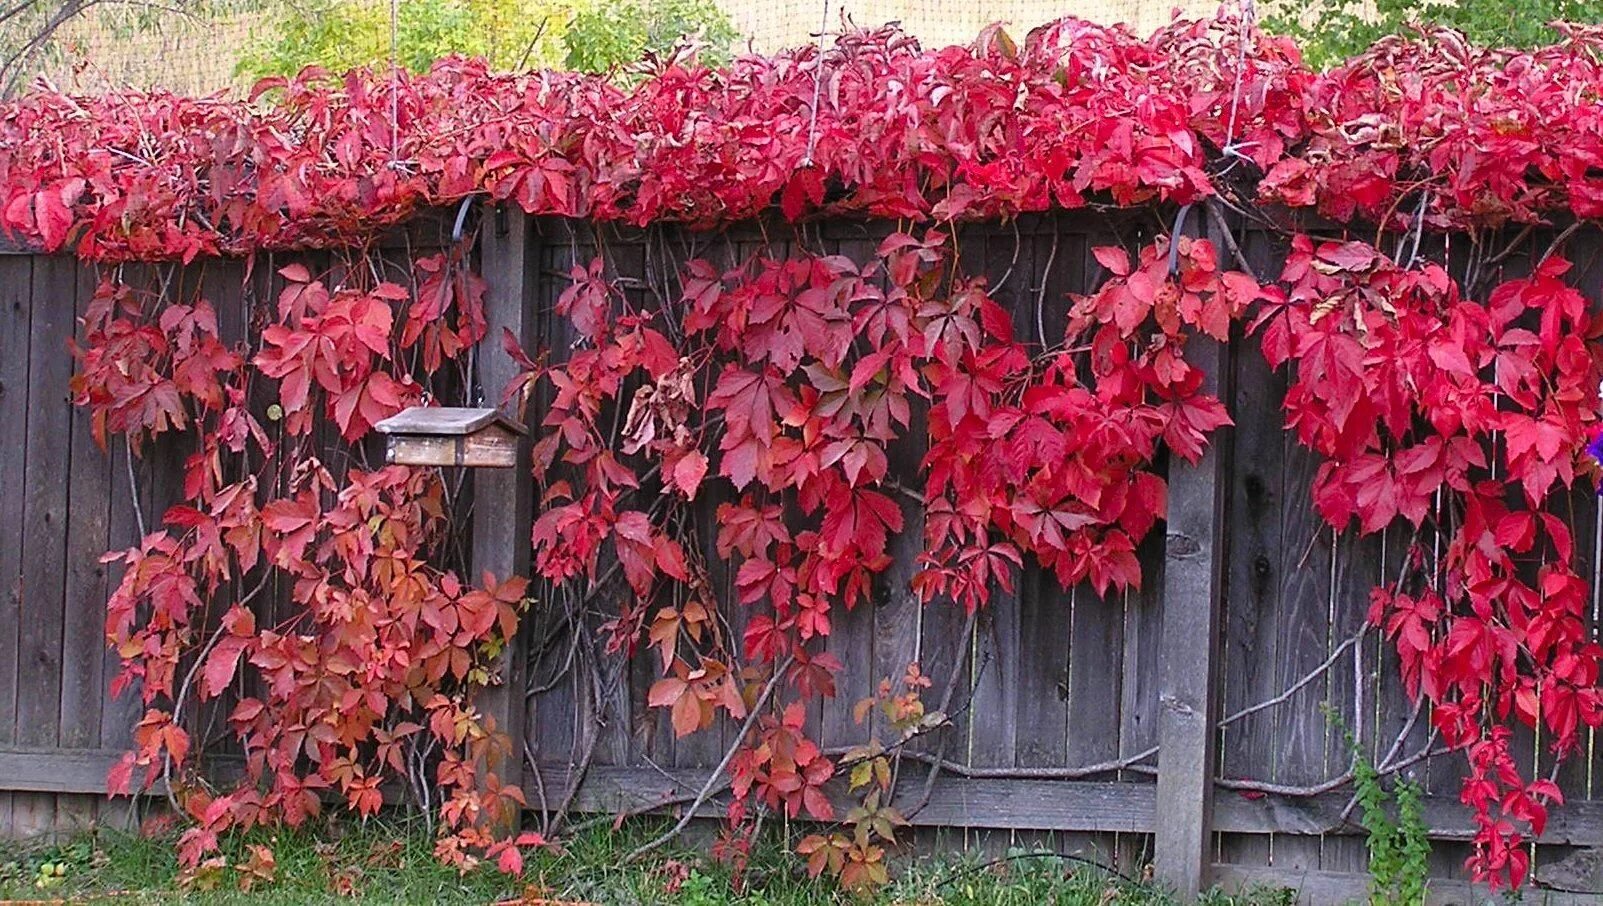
<point>1450,396</point>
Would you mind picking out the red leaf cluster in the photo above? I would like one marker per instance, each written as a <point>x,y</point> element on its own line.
<point>1463,418</point>
<point>367,661</point>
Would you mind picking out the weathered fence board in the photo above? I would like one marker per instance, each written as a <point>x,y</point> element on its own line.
<point>1058,695</point>
<point>16,308</point>
<point>503,499</point>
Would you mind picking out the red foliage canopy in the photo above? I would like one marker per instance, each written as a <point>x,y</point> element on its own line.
<point>1079,112</point>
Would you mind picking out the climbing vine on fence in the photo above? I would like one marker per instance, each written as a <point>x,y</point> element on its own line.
<point>1447,399</point>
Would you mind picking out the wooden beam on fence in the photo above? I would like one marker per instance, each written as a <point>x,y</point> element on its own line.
<point>1317,888</point>
<point>503,499</point>
<point>1083,806</point>
<point>1193,590</point>
<point>1099,806</point>
<point>43,770</point>
<point>1022,804</point>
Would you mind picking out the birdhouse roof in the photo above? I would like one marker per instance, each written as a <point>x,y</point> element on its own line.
<point>446,421</point>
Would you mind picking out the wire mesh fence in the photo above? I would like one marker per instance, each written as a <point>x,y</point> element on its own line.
<point>773,24</point>
<point>202,46</point>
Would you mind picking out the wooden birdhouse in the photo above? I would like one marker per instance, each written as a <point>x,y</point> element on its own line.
<point>447,436</point>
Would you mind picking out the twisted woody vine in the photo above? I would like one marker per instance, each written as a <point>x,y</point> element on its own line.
<point>1451,400</point>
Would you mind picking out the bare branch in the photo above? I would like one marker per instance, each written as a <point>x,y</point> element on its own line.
<point>718,772</point>
<point>1299,684</point>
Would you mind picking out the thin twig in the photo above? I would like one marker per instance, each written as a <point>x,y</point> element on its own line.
<point>1218,218</point>
<point>1396,747</point>
<point>133,487</point>
<point>1003,860</point>
<point>1248,19</point>
<point>539,783</point>
<point>1419,229</point>
<point>1559,240</point>
<point>1512,247</point>
<point>818,90</point>
<point>523,61</point>
<point>637,811</point>
<point>1017,242</point>
<point>1297,686</point>
<point>946,702</point>
<point>1278,789</point>
<point>972,772</point>
<point>1174,239</point>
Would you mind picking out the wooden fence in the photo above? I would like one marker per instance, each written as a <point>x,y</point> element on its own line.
<point>1186,722</point>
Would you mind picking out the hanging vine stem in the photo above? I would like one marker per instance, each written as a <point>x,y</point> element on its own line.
<point>133,485</point>
<point>182,698</point>
<point>1560,239</point>
<point>1017,243</point>
<point>539,783</point>
<point>945,705</point>
<point>1040,292</point>
<point>641,810</point>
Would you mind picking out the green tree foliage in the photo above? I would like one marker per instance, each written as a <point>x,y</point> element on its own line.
<point>342,34</point>
<point>37,35</point>
<point>1332,30</point>
<point>594,35</point>
<point>608,33</point>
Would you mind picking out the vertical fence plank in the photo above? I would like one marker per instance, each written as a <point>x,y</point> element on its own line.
<point>1141,636</point>
<point>44,523</point>
<point>1256,498</point>
<point>1052,730</point>
<point>504,498</point>
<point>83,637</point>
<point>118,714</point>
<point>1045,705</point>
<point>83,623</point>
<point>16,281</point>
<point>854,634</point>
<point>552,735</point>
<point>1192,590</point>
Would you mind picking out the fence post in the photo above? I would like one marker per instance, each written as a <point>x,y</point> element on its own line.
<point>1193,591</point>
<point>503,499</point>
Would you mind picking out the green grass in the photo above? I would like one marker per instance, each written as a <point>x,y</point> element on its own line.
<point>391,862</point>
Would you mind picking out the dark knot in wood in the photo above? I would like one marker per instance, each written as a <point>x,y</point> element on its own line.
<point>1174,704</point>
<point>1182,547</point>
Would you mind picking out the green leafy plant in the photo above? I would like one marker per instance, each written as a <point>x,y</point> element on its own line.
<point>1329,31</point>
<point>605,34</point>
<point>588,35</point>
<point>1399,848</point>
<point>343,34</point>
